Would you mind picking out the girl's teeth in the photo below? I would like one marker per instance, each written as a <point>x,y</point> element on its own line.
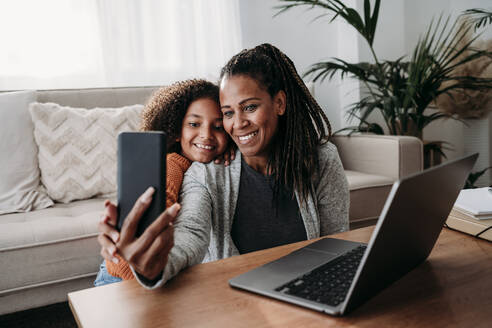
<point>204,146</point>
<point>249,136</point>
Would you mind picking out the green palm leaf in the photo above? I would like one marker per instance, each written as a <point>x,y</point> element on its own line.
<point>480,17</point>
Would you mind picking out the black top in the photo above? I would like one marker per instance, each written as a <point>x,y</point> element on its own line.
<point>257,223</point>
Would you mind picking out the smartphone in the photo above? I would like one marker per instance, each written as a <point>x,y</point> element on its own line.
<point>141,164</point>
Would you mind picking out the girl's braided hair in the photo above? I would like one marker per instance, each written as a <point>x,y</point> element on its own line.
<point>167,108</point>
<point>293,158</point>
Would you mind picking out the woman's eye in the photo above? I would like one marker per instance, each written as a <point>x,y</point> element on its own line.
<point>250,108</point>
<point>228,113</point>
<point>193,124</point>
<point>219,128</point>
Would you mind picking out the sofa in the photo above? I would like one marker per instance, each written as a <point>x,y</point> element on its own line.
<point>47,253</point>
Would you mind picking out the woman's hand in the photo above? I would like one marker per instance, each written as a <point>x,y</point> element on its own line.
<point>148,253</point>
<point>228,156</point>
<point>108,235</point>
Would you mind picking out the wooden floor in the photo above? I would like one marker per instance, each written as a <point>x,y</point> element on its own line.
<point>51,316</point>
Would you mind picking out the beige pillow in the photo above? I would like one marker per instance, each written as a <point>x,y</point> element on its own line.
<point>19,172</point>
<point>77,148</point>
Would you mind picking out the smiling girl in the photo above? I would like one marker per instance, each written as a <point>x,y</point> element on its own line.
<point>189,113</point>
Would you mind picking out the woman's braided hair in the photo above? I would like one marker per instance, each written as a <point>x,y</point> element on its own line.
<point>167,108</point>
<point>293,158</point>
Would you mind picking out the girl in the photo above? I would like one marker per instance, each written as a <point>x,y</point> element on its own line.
<point>189,113</point>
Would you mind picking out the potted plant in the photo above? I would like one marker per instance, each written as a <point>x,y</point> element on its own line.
<point>402,91</point>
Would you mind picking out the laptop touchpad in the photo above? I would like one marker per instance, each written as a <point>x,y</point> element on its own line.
<point>275,273</point>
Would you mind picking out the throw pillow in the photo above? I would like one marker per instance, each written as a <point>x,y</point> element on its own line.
<point>19,171</point>
<point>77,148</point>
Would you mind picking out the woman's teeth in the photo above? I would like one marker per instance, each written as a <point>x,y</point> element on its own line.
<point>249,136</point>
<point>204,146</point>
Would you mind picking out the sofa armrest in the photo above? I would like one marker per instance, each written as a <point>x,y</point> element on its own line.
<point>390,156</point>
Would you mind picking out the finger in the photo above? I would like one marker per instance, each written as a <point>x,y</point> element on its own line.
<point>219,159</point>
<point>160,261</point>
<point>233,153</point>
<point>155,258</point>
<point>164,221</point>
<point>108,230</point>
<point>131,221</point>
<point>111,213</point>
<point>108,249</point>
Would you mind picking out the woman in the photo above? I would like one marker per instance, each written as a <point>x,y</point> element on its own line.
<point>286,184</point>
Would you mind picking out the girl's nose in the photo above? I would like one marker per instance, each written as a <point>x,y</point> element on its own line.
<point>206,133</point>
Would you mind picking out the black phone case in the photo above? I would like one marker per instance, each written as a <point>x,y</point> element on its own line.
<point>141,164</point>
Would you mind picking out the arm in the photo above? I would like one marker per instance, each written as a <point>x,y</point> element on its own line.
<point>332,192</point>
<point>191,228</point>
<point>176,167</point>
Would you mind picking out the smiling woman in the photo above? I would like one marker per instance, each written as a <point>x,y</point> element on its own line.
<point>251,117</point>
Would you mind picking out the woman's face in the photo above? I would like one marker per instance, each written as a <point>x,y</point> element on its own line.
<point>250,114</point>
<point>202,134</point>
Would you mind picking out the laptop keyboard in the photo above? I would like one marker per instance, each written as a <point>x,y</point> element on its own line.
<point>329,283</point>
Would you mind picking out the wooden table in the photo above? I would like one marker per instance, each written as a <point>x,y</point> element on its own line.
<point>453,288</point>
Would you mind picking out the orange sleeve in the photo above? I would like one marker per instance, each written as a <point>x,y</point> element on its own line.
<point>120,269</point>
<point>175,170</point>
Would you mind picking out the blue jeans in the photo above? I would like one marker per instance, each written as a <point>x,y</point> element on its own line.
<point>103,277</point>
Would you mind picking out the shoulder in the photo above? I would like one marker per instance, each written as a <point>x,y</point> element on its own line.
<point>330,165</point>
<point>327,152</point>
<point>175,161</point>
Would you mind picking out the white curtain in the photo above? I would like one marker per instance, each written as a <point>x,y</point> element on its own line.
<point>53,44</point>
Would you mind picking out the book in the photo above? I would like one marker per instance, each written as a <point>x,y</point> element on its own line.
<point>476,202</point>
<point>456,212</point>
<point>481,229</point>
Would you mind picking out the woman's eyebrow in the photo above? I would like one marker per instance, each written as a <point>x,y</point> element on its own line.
<point>248,99</point>
<point>241,102</point>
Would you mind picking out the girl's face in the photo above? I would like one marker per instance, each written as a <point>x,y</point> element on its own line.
<point>202,134</point>
<point>250,115</point>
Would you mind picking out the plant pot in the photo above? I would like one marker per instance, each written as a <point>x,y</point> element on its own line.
<point>432,156</point>
<point>477,139</point>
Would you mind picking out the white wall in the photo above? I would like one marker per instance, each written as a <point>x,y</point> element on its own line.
<point>305,42</point>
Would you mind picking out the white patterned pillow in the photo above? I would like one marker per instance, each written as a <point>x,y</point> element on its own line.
<point>77,148</point>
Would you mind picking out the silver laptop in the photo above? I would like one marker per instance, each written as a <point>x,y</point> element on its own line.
<point>335,276</point>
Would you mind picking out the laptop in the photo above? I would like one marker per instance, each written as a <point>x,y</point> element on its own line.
<point>335,276</point>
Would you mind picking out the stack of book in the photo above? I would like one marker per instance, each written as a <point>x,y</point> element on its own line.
<point>472,213</point>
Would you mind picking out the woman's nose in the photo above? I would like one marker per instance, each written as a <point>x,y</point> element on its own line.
<point>240,121</point>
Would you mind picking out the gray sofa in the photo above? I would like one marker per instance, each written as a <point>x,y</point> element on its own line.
<point>45,254</point>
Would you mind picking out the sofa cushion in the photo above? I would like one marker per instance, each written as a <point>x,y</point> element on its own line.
<point>19,174</point>
<point>77,148</point>
<point>50,245</point>
<point>368,194</point>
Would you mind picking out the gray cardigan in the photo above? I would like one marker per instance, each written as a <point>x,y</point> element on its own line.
<point>208,198</point>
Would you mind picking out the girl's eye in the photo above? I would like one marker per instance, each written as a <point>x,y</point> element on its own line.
<point>250,108</point>
<point>193,124</point>
<point>228,113</point>
<point>219,128</point>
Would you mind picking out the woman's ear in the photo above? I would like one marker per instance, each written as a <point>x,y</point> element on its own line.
<point>279,102</point>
